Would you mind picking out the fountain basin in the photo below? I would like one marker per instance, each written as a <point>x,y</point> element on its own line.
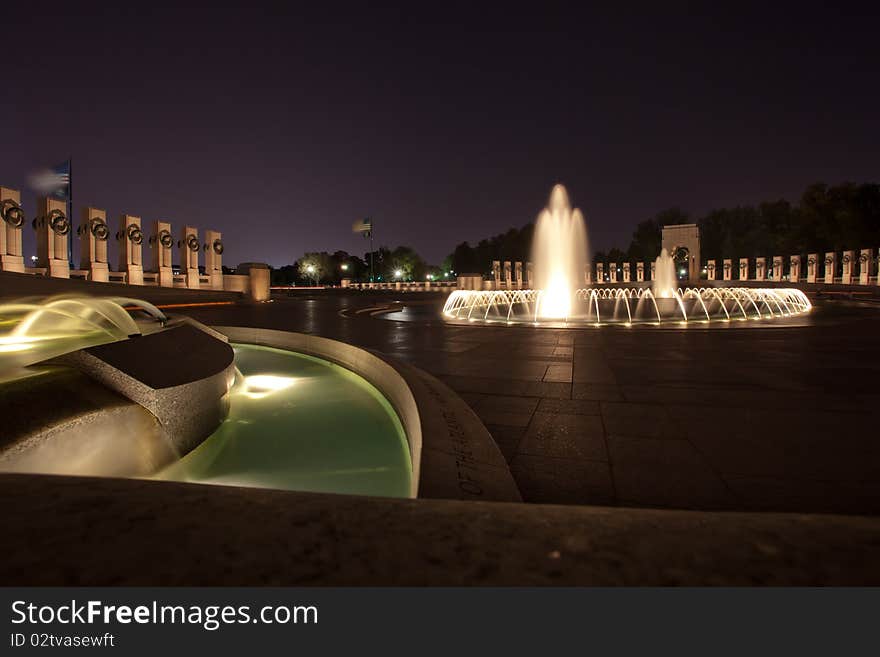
<point>602,305</point>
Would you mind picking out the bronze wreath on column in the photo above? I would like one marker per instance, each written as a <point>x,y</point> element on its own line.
<point>58,222</point>
<point>12,213</point>
<point>98,228</point>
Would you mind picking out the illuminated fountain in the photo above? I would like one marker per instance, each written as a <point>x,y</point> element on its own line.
<point>179,403</point>
<point>559,253</point>
<point>34,331</point>
<point>558,270</point>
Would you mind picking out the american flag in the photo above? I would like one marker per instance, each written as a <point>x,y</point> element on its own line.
<point>364,226</point>
<point>54,182</point>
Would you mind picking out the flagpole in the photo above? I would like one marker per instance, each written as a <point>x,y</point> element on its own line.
<point>70,209</point>
<point>371,250</point>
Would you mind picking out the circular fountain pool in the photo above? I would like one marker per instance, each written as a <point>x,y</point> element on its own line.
<point>599,306</point>
<point>561,264</point>
<point>302,423</point>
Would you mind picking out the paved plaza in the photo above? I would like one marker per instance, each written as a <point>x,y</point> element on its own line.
<point>779,416</point>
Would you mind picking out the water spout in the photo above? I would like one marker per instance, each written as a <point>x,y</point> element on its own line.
<point>559,254</point>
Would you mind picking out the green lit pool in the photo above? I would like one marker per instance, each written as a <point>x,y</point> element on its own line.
<point>302,423</point>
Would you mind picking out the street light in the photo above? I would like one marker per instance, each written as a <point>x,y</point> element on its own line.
<point>344,266</point>
<point>398,273</point>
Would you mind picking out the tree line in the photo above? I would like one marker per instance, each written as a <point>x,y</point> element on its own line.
<point>401,263</point>
<point>826,218</point>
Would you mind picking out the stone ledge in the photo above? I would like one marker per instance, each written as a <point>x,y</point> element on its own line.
<point>75,531</point>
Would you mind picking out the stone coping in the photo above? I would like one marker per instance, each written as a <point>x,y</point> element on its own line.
<point>79,531</point>
<point>453,455</point>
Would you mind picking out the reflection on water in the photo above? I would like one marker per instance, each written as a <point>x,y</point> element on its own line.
<point>302,423</point>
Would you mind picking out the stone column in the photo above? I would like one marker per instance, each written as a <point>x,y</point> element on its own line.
<point>866,259</point>
<point>830,266</point>
<point>760,269</point>
<point>496,273</point>
<point>812,267</point>
<point>518,274</point>
<point>93,233</point>
<point>710,270</point>
<point>188,248</point>
<point>11,220</point>
<point>600,272</point>
<point>508,275</point>
<point>161,243</point>
<point>728,269</point>
<point>627,272</point>
<point>612,271</point>
<point>849,259</point>
<point>743,269</point>
<point>795,272</point>
<point>653,270</point>
<point>131,239</point>
<point>53,231</point>
<point>530,278</point>
<point>588,274</point>
<point>214,258</point>
<point>640,272</point>
<point>778,268</point>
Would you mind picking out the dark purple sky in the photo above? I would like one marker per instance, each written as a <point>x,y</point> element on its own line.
<point>282,128</point>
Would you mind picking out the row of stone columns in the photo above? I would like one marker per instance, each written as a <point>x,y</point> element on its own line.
<point>512,275</point>
<point>854,268</point>
<point>53,230</point>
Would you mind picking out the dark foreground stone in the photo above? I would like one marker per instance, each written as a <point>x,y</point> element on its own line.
<point>84,531</point>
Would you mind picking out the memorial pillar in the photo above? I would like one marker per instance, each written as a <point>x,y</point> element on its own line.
<point>640,272</point>
<point>760,269</point>
<point>794,274</point>
<point>830,266</point>
<point>728,269</point>
<point>777,268</point>
<point>93,233</point>
<point>188,248</point>
<point>866,259</point>
<point>518,274</point>
<point>161,242</point>
<point>849,258</point>
<point>11,220</point>
<point>812,267</point>
<point>131,240</point>
<point>53,230</point>
<point>743,269</point>
<point>214,258</point>
<point>710,270</point>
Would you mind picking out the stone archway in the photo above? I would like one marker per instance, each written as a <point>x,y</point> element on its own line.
<point>685,236</point>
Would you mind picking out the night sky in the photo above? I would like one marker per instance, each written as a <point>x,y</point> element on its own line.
<point>282,128</point>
